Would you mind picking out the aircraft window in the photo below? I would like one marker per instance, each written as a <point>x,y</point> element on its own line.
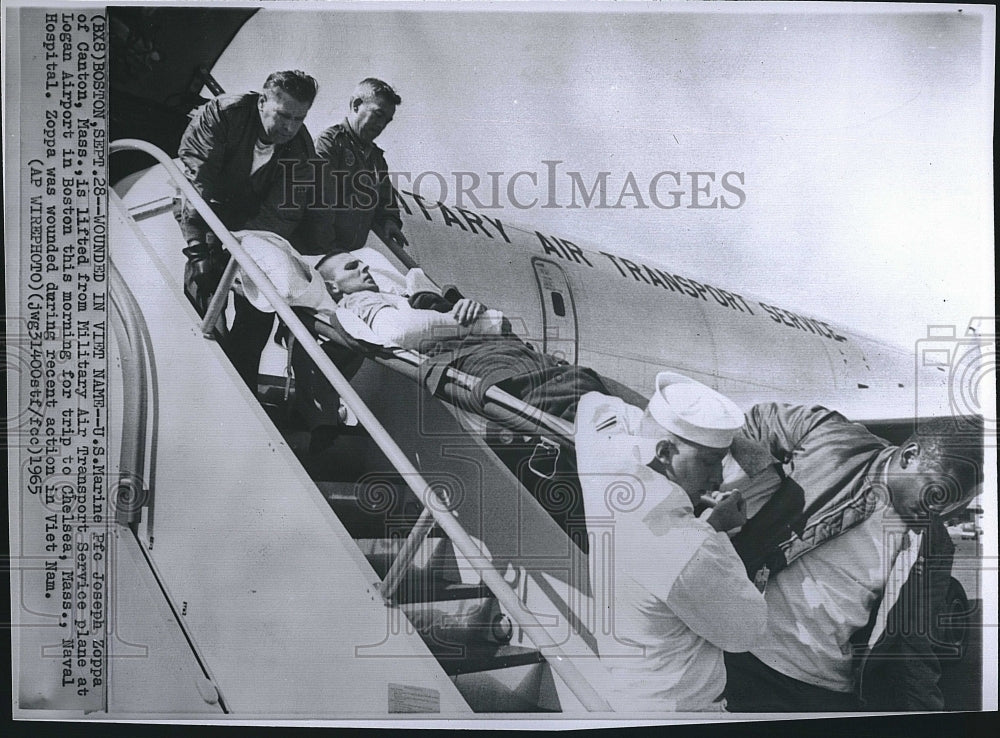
<point>558,305</point>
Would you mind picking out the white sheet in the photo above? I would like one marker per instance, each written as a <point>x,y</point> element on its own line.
<point>298,282</point>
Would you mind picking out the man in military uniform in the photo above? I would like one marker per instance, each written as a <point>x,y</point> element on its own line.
<point>357,184</point>
<point>236,152</point>
<point>359,198</point>
<point>854,561</point>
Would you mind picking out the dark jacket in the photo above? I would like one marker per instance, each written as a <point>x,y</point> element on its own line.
<point>899,669</point>
<point>216,151</point>
<point>356,187</point>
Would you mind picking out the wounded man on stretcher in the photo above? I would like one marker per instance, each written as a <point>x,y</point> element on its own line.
<point>410,312</point>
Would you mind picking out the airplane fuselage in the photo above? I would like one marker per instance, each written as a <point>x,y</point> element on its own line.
<point>629,319</point>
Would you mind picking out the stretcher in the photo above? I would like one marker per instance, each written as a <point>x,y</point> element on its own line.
<point>536,446</point>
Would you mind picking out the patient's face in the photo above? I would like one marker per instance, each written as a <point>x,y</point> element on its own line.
<point>348,274</point>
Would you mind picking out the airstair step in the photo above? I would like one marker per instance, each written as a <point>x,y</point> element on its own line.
<point>345,459</point>
<point>481,657</point>
<point>467,632</point>
<point>387,512</point>
<point>512,679</point>
<point>449,627</point>
<point>433,568</point>
<point>443,586</point>
<point>450,591</point>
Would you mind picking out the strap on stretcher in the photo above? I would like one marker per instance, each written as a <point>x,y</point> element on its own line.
<point>434,368</point>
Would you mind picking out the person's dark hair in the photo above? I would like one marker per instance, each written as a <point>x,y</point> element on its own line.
<point>293,82</point>
<point>370,88</point>
<point>337,295</point>
<point>327,258</point>
<point>953,447</point>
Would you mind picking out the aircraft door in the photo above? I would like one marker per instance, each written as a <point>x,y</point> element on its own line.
<point>559,328</point>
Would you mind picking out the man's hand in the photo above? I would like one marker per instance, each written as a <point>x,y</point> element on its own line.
<point>391,232</point>
<point>466,311</point>
<point>730,511</point>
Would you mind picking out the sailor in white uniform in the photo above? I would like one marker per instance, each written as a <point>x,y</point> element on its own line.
<point>672,593</point>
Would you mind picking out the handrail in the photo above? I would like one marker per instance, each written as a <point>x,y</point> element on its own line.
<point>447,520</point>
<point>128,490</point>
<point>141,405</point>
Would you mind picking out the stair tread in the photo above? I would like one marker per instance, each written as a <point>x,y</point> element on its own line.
<point>373,518</point>
<point>477,657</point>
<point>452,591</point>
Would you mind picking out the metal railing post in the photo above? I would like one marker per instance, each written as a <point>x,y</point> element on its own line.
<point>218,302</point>
<point>394,577</point>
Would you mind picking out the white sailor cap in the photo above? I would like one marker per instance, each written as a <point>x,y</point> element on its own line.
<point>694,412</point>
